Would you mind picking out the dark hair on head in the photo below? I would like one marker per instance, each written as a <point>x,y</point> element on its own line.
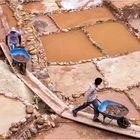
<point>98,81</point>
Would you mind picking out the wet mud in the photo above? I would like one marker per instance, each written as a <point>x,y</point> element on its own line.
<point>81,18</point>
<point>37,6</point>
<point>20,58</point>
<point>70,46</point>
<point>121,41</point>
<point>44,24</point>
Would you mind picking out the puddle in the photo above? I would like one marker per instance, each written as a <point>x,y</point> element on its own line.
<point>70,46</point>
<point>114,38</point>
<point>9,15</point>
<point>135,95</point>
<point>44,24</point>
<point>122,3</point>
<point>73,79</point>
<point>76,131</point>
<point>121,72</point>
<point>122,99</point>
<point>135,23</point>
<point>11,111</point>
<point>41,6</point>
<point>86,17</point>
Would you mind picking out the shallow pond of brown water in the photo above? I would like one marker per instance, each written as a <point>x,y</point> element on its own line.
<point>9,15</point>
<point>114,38</point>
<point>70,46</point>
<point>35,6</point>
<point>71,19</point>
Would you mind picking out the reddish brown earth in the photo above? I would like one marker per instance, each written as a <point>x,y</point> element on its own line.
<point>20,58</point>
<point>76,131</point>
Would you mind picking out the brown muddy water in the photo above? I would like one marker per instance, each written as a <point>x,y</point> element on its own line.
<point>114,38</point>
<point>35,6</point>
<point>9,15</point>
<point>70,46</point>
<point>81,18</point>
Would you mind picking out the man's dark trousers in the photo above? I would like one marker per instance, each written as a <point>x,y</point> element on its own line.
<point>94,104</point>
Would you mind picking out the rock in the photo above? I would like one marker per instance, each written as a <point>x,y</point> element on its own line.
<point>33,52</point>
<point>40,121</point>
<point>40,126</point>
<point>76,95</point>
<point>23,120</point>
<point>33,130</point>
<point>53,124</point>
<point>28,133</point>
<point>53,117</point>
<point>46,80</point>
<point>65,30</point>
<point>14,125</point>
<point>13,130</point>
<point>29,109</point>
<point>42,75</point>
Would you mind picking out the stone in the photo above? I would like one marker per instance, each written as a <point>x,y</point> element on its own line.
<point>28,133</point>
<point>33,52</point>
<point>53,117</point>
<point>43,74</point>
<point>40,121</point>
<point>76,95</point>
<point>33,130</point>
<point>14,130</point>
<point>29,109</point>
<point>53,124</point>
<point>46,80</point>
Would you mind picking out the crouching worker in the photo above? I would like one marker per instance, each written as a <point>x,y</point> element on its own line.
<point>13,38</point>
<point>90,98</point>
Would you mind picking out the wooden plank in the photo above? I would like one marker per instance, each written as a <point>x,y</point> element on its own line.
<point>85,118</point>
